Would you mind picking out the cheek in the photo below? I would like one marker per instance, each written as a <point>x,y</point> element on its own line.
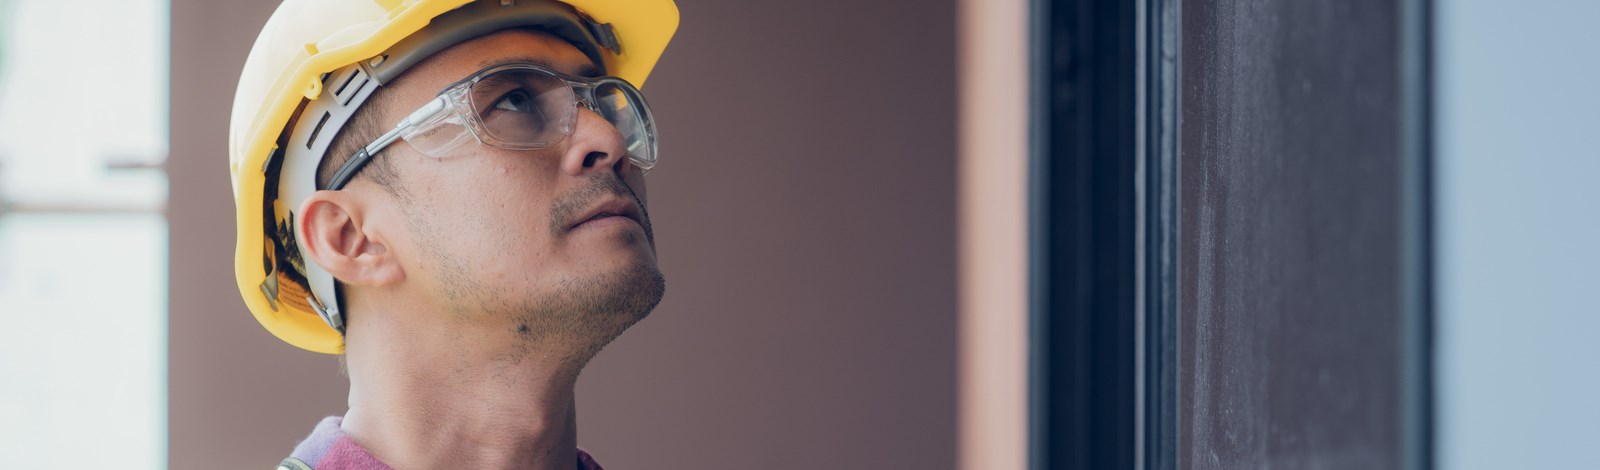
<point>510,202</point>
<point>491,211</point>
<point>492,207</point>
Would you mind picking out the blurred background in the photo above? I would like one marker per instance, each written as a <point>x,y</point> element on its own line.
<point>977,234</point>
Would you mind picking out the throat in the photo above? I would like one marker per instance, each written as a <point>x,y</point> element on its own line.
<point>451,411</point>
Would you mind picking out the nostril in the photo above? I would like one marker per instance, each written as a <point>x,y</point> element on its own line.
<point>588,160</point>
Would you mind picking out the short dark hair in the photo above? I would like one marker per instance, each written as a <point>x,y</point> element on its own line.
<point>362,128</point>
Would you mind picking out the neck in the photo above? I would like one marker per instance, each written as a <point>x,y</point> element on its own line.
<point>494,402</point>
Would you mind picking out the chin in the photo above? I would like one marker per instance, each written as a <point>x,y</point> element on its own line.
<point>591,309</point>
<point>634,290</point>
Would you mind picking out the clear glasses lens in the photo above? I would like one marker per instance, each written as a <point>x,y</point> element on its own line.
<point>440,134</point>
<point>519,107</point>
<point>523,108</point>
<point>621,105</point>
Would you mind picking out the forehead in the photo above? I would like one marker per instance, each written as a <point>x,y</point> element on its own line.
<point>515,45</point>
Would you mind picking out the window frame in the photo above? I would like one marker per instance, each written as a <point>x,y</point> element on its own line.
<point>1103,170</point>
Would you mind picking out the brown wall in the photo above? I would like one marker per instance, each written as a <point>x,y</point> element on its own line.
<point>238,398</point>
<point>805,211</point>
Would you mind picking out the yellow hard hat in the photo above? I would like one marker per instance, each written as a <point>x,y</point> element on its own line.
<point>320,59</point>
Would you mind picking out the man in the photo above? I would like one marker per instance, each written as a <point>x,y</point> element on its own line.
<point>467,250</point>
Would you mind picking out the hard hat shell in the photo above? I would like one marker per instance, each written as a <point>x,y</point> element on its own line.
<point>302,42</point>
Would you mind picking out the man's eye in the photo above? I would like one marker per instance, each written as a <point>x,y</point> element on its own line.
<point>517,101</point>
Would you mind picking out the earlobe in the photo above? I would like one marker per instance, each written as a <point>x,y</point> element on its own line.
<point>334,235</point>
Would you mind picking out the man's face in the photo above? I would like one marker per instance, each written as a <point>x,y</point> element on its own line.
<point>505,238</point>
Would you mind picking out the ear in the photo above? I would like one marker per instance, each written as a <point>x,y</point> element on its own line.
<point>336,238</point>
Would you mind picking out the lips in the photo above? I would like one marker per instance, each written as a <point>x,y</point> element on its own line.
<point>610,208</point>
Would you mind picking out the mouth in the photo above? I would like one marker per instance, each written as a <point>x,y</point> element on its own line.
<point>610,211</point>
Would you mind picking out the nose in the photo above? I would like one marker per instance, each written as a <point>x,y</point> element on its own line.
<point>596,146</point>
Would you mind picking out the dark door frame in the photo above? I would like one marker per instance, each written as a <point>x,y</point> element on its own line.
<point>1082,232</point>
<point>1103,227</point>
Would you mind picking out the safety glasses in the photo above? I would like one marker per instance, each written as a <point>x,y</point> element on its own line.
<point>518,106</point>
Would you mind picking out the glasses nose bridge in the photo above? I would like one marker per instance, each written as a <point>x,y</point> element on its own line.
<point>583,95</point>
<point>588,103</point>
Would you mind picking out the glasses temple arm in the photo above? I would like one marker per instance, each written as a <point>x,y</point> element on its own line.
<point>348,171</point>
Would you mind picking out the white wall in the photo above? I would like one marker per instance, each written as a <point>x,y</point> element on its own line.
<point>1518,181</point>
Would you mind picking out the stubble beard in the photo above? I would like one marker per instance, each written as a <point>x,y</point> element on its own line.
<point>590,312</point>
<point>585,314</point>
<point>572,320</point>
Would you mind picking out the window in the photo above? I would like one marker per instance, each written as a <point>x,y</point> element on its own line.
<point>82,237</point>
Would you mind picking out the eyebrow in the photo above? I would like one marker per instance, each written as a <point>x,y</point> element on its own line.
<point>586,70</point>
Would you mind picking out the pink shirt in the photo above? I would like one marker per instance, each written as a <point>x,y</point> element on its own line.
<point>328,448</point>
